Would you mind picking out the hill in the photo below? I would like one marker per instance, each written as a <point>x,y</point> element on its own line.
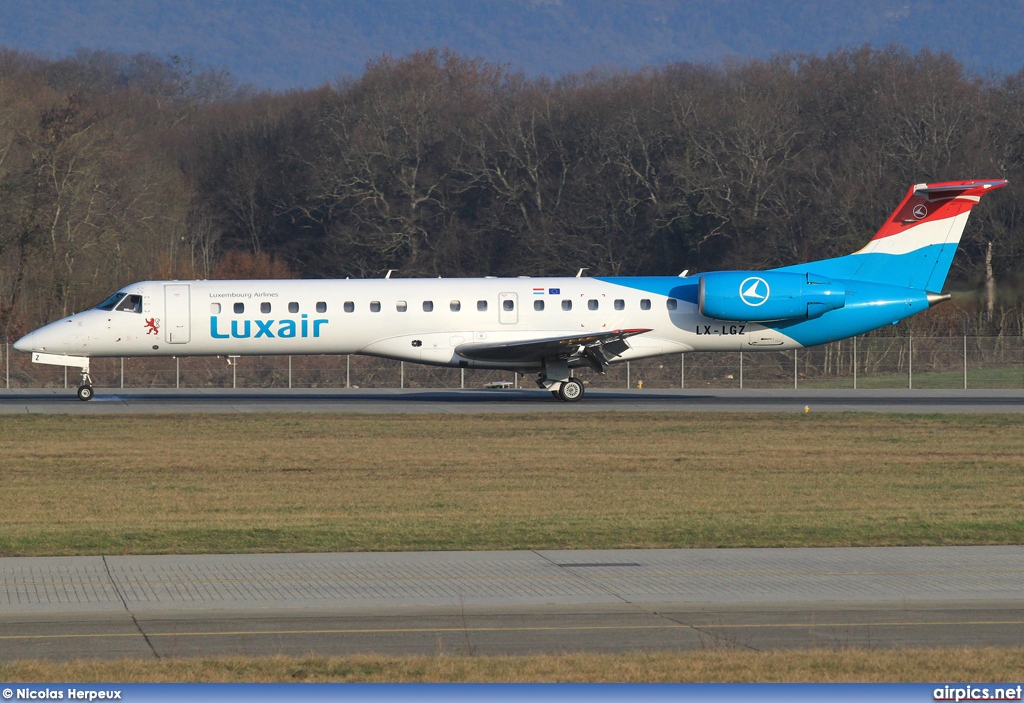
<point>282,44</point>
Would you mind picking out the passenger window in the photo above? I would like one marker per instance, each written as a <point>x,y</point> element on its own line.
<point>645,304</point>
<point>455,306</point>
<point>293,307</point>
<point>401,306</point>
<point>215,308</point>
<point>620,304</point>
<point>538,305</point>
<point>374,306</point>
<point>508,305</point>
<point>428,306</point>
<point>349,306</point>
<point>671,303</point>
<point>321,307</point>
<point>591,304</point>
<point>567,305</point>
<point>264,307</point>
<point>131,303</point>
<point>481,306</point>
<point>239,308</point>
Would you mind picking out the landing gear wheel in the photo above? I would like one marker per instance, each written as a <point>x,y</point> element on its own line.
<point>85,393</point>
<point>570,391</point>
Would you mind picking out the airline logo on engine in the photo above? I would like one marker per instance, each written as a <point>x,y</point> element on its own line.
<point>754,291</point>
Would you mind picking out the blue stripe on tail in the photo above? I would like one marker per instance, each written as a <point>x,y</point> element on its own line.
<point>925,268</point>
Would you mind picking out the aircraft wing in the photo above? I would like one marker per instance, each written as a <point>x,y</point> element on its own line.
<point>597,348</point>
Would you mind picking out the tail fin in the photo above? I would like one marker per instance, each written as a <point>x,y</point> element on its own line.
<point>916,245</point>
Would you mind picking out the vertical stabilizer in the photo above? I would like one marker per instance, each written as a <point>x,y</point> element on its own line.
<point>916,245</point>
<point>923,234</point>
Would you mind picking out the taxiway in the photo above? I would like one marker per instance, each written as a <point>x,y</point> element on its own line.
<point>510,602</point>
<point>133,401</point>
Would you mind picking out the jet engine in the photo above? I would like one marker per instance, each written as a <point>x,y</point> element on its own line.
<point>761,296</point>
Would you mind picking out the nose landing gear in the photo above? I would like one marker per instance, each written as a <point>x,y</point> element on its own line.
<point>85,391</point>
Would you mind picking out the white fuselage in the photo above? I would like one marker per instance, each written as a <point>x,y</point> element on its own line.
<point>419,320</point>
<point>548,324</point>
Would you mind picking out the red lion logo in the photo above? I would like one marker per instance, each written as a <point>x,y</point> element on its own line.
<point>153,326</point>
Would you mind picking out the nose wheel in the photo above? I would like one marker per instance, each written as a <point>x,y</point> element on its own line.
<point>85,391</point>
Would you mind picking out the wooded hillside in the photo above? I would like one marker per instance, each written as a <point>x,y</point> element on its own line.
<point>118,168</point>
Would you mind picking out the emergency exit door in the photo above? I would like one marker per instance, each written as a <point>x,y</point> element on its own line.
<point>177,314</point>
<point>508,308</point>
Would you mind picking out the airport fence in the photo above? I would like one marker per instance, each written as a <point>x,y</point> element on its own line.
<point>861,362</point>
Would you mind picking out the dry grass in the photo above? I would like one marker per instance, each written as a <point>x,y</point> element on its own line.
<point>905,665</point>
<point>214,483</point>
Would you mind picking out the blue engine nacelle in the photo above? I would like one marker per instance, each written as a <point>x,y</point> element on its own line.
<point>749,296</point>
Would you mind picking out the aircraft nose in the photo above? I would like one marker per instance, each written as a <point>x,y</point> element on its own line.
<point>25,343</point>
<point>51,338</point>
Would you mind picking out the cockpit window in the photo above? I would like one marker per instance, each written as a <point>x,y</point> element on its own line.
<point>131,303</point>
<point>110,302</point>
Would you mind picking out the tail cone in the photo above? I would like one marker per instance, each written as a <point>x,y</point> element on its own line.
<point>936,298</point>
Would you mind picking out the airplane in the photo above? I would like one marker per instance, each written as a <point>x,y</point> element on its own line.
<point>546,326</point>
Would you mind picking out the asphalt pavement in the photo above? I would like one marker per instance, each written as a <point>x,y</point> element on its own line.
<point>510,602</point>
<point>457,401</point>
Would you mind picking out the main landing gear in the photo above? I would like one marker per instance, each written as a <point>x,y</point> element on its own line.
<point>570,391</point>
<point>556,378</point>
<point>85,391</point>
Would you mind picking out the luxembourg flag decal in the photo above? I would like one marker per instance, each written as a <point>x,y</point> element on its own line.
<point>538,291</point>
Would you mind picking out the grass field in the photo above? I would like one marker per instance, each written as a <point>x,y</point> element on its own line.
<point>1009,377</point>
<point>254,483</point>
<point>906,665</point>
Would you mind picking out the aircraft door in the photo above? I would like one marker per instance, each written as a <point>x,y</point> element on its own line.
<point>177,313</point>
<point>508,308</point>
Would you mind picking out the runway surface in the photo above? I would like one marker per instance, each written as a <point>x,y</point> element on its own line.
<point>510,602</point>
<point>134,401</point>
